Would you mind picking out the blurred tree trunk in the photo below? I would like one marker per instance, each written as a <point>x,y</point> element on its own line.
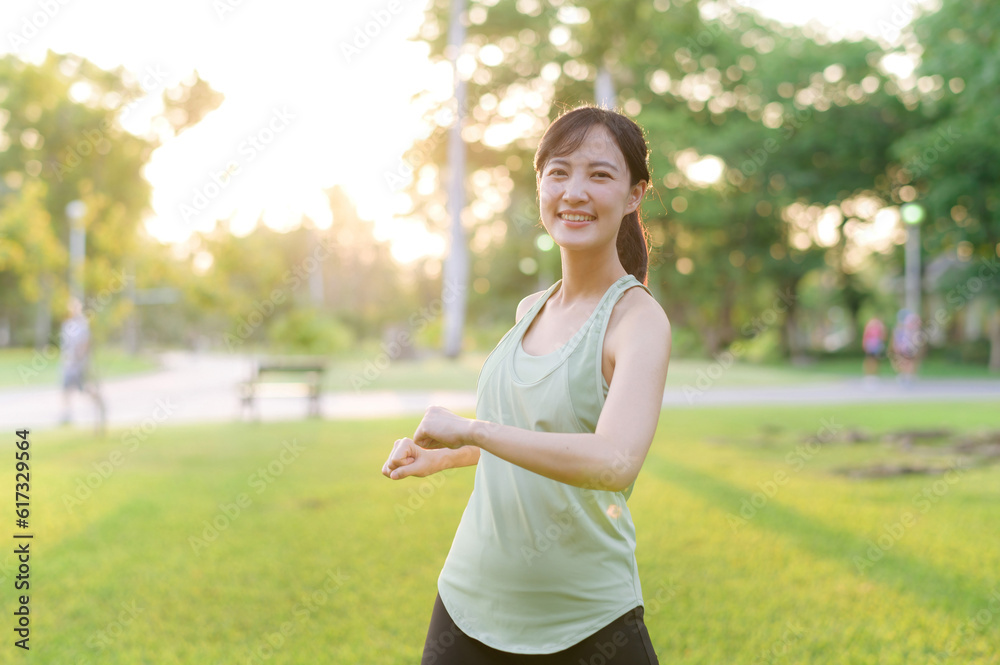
<point>727,334</point>
<point>791,341</point>
<point>995,342</point>
<point>43,314</point>
<point>710,334</point>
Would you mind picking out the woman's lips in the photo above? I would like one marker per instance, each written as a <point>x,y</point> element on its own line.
<point>575,223</point>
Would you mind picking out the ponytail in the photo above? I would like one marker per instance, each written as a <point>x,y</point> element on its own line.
<point>633,250</point>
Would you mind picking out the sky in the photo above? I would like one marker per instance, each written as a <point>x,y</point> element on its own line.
<point>316,94</point>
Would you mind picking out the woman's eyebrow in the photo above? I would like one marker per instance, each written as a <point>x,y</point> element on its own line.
<point>592,164</point>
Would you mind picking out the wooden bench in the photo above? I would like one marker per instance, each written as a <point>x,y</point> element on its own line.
<point>274,376</point>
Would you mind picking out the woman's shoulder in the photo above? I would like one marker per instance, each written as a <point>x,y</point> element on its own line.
<point>526,303</point>
<point>638,311</point>
<point>638,296</point>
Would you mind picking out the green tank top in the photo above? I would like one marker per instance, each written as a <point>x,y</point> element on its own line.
<point>538,565</point>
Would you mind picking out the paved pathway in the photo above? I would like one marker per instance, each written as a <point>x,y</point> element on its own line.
<point>192,387</point>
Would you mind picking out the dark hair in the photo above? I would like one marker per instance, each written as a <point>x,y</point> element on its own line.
<point>565,135</point>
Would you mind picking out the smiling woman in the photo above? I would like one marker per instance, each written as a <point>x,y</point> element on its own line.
<point>543,564</point>
<point>580,157</point>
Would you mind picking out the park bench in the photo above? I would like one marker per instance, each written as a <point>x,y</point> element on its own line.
<point>283,377</point>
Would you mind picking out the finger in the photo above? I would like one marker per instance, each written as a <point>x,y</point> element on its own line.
<point>396,462</point>
<point>400,450</point>
<point>401,455</point>
<point>404,471</point>
<point>422,438</point>
<point>401,463</point>
<point>389,463</point>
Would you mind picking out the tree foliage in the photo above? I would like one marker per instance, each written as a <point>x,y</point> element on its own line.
<point>797,127</point>
<point>951,162</point>
<point>62,141</point>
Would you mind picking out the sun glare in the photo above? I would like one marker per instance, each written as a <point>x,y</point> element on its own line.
<point>410,240</point>
<point>706,171</point>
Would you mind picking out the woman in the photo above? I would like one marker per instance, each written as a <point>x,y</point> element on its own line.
<point>873,344</point>
<point>542,568</point>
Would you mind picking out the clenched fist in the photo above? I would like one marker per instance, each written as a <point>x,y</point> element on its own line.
<point>409,459</point>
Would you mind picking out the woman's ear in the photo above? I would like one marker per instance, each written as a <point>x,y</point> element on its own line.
<point>635,197</point>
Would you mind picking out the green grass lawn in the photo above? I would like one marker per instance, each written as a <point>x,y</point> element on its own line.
<point>22,367</point>
<point>314,557</point>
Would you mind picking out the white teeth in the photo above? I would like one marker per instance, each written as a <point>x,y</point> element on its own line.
<point>578,218</point>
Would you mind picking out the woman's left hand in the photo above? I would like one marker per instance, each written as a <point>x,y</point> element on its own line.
<point>440,428</point>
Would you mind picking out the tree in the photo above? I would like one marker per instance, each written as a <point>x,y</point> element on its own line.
<point>29,250</point>
<point>952,162</point>
<point>237,289</point>
<point>63,130</point>
<point>794,123</point>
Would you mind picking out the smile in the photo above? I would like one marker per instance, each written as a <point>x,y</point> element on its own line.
<point>576,218</point>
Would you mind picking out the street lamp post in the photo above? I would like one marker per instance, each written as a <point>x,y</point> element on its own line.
<point>75,211</point>
<point>913,214</point>
<point>456,263</point>
<point>604,88</point>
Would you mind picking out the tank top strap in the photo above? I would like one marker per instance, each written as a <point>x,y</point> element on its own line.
<point>587,369</point>
<point>616,290</point>
<point>598,318</point>
<point>589,334</point>
<point>614,294</point>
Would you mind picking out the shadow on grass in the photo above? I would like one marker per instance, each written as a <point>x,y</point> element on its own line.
<point>946,590</point>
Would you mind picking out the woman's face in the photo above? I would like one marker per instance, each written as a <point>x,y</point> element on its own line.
<point>584,195</point>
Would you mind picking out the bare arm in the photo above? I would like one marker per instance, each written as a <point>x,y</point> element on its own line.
<point>408,459</point>
<point>464,456</point>
<point>609,458</point>
<point>469,455</point>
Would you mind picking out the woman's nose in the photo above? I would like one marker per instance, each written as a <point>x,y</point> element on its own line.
<point>575,190</point>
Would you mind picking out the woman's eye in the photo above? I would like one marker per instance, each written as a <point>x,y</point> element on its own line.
<point>602,174</point>
<point>556,172</point>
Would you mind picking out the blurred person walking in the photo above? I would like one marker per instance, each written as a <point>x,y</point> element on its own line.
<point>873,343</point>
<point>906,346</point>
<point>74,355</point>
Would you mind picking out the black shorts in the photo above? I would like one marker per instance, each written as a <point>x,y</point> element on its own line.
<point>624,641</point>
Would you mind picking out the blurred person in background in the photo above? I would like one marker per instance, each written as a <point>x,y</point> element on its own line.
<point>74,356</point>
<point>873,343</point>
<point>906,346</point>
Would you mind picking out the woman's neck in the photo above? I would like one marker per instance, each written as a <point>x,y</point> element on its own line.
<point>586,277</point>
